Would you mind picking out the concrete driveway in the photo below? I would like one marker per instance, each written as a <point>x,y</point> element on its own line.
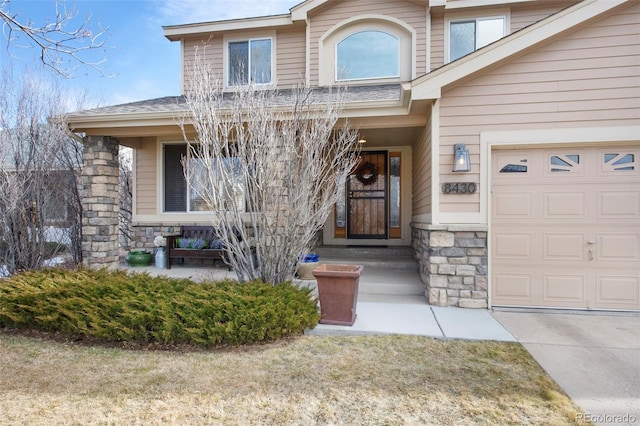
<point>595,358</point>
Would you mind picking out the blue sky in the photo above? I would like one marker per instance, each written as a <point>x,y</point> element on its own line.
<point>141,62</point>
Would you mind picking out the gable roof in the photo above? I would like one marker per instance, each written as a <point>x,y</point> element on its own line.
<point>430,85</point>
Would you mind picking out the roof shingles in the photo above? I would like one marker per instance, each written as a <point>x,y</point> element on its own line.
<point>172,104</point>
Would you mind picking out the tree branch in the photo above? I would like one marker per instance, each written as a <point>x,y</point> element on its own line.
<point>61,48</point>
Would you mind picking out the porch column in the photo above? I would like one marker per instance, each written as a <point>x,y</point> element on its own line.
<point>453,264</point>
<point>100,202</point>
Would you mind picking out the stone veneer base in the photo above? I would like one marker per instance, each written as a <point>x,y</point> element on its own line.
<point>453,264</point>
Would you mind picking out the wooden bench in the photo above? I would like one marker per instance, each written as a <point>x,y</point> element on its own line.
<point>206,233</point>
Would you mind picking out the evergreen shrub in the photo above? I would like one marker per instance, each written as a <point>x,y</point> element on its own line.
<point>118,307</point>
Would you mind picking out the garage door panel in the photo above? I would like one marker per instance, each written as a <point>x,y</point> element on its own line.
<point>514,205</point>
<point>568,162</point>
<point>564,205</point>
<point>618,161</point>
<point>564,289</point>
<point>564,246</point>
<point>512,287</point>
<point>620,291</point>
<point>512,165</point>
<point>565,228</point>
<point>513,246</point>
<point>618,247</point>
<point>618,205</point>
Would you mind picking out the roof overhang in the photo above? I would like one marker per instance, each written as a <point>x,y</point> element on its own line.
<point>460,4</point>
<point>163,115</point>
<point>177,32</point>
<point>430,86</point>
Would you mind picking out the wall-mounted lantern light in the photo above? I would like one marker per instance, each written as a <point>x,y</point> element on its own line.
<point>461,161</point>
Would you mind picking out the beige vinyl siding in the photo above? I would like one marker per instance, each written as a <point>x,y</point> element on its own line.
<point>521,15</point>
<point>411,13</point>
<point>421,173</point>
<point>210,50</point>
<point>585,79</point>
<point>146,164</point>
<point>525,15</point>
<point>291,57</point>
<point>437,41</point>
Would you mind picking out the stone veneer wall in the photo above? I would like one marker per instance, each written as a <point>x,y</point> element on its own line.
<point>100,202</point>
<point>142,235</point>
<point>453,264</point>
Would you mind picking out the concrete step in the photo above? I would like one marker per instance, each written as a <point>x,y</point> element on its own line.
<point>377,281</point>
<point>365,251</point>
<point>373,286</point>
<point>388,271</point>
<point>395,258</point>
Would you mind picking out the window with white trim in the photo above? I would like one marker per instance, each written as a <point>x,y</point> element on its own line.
<point>469,35</point>
<point>249,62</point>
<point>367,55</point>
<point>185,195</point>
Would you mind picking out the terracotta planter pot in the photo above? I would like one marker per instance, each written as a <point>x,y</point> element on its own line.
<point>338,292</point>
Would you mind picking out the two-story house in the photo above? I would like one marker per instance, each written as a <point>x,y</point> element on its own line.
<point>505,135</point>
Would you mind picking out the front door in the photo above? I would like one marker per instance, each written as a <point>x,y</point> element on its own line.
<point>367,197</point>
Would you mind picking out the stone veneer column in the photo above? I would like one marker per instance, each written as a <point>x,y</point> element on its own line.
<point>453,264</point>
<point>100,202</point>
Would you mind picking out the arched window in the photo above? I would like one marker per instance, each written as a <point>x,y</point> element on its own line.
<point>368,54</point>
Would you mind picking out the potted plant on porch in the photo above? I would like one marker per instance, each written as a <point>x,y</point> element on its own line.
<point>338,292</point>
<point>138,258</point>
<point>161,256</point>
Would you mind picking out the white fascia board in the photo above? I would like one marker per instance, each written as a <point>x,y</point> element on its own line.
<point>427,86</point>
<point>123,120</point>
<point>175,33</point>
<point>462,4</point>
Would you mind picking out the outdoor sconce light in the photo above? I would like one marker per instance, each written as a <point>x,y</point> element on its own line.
<point>461,161</point>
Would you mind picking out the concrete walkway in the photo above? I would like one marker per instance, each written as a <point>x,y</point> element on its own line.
<point>402,314</point>
<point>412,316</point>
<point>594,357</point>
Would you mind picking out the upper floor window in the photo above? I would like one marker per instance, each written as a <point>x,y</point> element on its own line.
<point>469,35</point>
<point>366,55</point>
<point>249,62</point>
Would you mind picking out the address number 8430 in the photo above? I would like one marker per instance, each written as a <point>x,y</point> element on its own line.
<point>459,188</point>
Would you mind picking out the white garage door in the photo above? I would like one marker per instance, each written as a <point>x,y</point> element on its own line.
<point>565,228</point>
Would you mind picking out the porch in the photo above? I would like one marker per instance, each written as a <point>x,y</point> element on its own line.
<point>391,297</point>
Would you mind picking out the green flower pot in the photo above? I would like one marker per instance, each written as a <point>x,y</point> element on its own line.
<point>138,258</point>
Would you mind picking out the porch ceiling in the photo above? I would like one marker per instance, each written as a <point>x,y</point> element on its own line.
<point>387,137</point>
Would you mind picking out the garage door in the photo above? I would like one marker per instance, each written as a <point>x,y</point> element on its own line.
<point>565,228</point>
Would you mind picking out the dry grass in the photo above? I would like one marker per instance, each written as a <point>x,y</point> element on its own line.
<point>384,380</point>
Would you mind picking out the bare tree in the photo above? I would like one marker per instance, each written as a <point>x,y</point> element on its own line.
<point>63,44</point>
<point>270,166</point>
<point>40,209</point>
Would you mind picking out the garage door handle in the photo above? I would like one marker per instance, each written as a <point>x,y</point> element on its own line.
<point>591,242</point>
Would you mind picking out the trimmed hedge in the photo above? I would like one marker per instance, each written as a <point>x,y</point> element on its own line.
<point>118,307</point>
